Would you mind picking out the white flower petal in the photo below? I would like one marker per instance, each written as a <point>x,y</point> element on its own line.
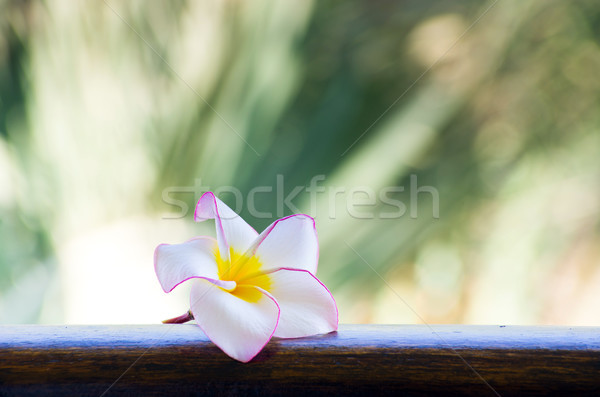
<point>307,306</point>
<point>175,263</point>
<point>240,327</point>
<point>232,230</point>
<point>289,242</point>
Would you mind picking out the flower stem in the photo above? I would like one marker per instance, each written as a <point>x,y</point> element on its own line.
<point>184,318</point>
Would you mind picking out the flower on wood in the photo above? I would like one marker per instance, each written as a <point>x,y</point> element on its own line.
<point>248,287</point>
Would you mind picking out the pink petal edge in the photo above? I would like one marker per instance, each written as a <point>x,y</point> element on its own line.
<point>337,312</point>
<point>217,217</point>
<point>270,336</point>
<point>252,250</point>
<point>219,283</point>
<point>214,214</point>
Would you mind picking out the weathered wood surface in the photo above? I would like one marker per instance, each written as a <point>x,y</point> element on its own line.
<point>358,359</point>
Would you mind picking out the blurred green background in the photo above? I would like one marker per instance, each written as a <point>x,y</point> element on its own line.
<point>115,116</point>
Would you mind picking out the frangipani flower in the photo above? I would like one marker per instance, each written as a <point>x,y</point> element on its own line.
<point>248,287</point>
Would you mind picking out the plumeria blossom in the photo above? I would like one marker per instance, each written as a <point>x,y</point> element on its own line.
<point>248,287</point>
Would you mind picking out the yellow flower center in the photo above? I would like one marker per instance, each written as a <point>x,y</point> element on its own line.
<point>247,273</point>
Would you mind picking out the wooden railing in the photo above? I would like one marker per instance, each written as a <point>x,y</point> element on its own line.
<point>356,360</point>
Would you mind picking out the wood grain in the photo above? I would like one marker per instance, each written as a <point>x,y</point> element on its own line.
<point>358,359</point>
